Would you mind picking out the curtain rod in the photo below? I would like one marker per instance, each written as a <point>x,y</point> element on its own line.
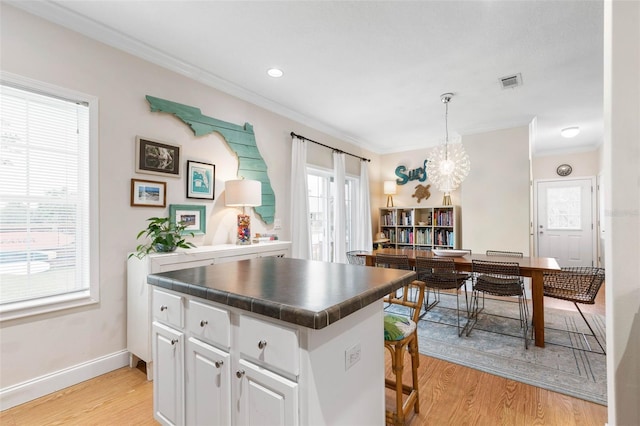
<point>327,146</point>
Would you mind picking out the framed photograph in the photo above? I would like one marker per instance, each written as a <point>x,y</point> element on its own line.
<point>194,216</point>
<point>148,193</point>
<point>201,180</point>
<point>157,158</point>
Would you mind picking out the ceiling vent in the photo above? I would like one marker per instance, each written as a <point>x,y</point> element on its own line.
<point>511,81</point>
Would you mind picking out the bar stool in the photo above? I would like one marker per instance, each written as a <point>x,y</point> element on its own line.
<point>400,333</point>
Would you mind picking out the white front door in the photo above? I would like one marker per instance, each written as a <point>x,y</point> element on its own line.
<point>565,225</point>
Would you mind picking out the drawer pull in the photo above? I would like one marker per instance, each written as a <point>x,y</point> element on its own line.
<point>218,364</point>
<point>203,323</point>
<point>163,308</point>
<point>174,341</point>
<point>262,344</point>
<point>239,374</point>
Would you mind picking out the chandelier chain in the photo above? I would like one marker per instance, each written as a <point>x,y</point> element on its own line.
<point>446,129</point>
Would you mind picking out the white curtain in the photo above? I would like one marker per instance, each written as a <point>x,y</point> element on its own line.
<point>300,228</point>
<point>362,218</point>
<point>339,209</point>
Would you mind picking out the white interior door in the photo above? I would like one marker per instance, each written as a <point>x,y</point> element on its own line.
<point>565,221</point>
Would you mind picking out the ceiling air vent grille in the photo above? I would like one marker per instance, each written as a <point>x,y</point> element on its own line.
<point>511,81</point>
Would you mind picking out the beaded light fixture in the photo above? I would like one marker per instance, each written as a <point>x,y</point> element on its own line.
<point>448,164</point>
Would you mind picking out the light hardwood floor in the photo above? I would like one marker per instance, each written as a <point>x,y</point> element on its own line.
<point>449,395</point>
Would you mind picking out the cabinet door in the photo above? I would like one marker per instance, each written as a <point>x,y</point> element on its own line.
<point>208,392</point>
<point>168,368</point>
<point>263,397</point>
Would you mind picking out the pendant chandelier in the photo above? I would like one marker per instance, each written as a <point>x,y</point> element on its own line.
<point>448,164</point>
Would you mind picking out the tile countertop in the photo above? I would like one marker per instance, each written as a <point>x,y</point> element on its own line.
<point>308,293</point>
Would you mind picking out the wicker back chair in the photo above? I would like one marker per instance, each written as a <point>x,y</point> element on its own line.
<point>440,274</point>
<point>504,253</point>
<point>577,285</point>
<point>499,279</point>
<point>355,257</point>
<point>393,261</point>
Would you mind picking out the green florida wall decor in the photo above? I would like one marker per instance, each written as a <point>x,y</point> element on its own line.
<point>240,139</point>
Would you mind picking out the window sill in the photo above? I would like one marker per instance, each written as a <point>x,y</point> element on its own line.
<point>29,308</point>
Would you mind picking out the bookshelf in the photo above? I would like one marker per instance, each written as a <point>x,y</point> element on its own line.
<point>421,227</point>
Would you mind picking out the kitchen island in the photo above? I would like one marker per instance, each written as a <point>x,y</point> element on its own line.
<point>271,341</point>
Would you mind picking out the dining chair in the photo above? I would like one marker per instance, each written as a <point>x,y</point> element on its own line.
<point>355,257</point>
<point>577,285</point>
<point>440,274</point>
<point>504,253</point>
<point>498,279</point>
<point>400,333</point>
<point>393,261</point>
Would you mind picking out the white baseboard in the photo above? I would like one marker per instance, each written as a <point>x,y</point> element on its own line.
<point>44,385</point>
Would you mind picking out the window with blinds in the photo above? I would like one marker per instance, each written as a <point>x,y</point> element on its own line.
<point>45,200</point>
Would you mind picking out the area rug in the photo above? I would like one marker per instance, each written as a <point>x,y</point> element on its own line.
<point>565,365</point>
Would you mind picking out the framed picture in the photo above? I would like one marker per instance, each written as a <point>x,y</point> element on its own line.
<point>194,216</point>
<point>157,158</point>
<point>148,193</point>
<point>201,180</point>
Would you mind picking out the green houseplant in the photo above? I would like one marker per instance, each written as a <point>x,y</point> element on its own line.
<point>164,236</point>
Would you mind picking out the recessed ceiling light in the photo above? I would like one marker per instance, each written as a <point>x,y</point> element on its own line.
<point>570,132</point>
<point>275,72</point>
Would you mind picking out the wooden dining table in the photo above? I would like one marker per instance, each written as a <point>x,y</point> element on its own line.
<point>532,267</point>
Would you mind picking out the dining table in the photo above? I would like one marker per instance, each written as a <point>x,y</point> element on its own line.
<point>532,267</point>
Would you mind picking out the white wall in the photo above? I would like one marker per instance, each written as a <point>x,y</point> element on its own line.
<point>495,196</point>
<point>622,208</point>
<point>411,160</point>
<point>583,164</point>
<point>39,346</point>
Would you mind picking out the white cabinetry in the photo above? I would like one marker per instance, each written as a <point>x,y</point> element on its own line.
<point>219,382</point>
<point>139,295</point>
<point>208,387</point>
<point>265,398</point>
<point>168,391</point>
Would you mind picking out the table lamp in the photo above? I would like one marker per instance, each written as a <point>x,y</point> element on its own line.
<point>243,193</point>
<point>389,190</point>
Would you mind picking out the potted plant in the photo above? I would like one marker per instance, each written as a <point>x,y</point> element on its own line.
<point>165,236</point>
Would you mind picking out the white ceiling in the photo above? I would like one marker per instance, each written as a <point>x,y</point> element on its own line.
<point>372,72</point>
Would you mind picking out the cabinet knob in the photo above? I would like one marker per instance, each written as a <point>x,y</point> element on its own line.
<point>203,323</point>
<point>174,341</point>
<point>262,344</point>
<point>218,364</point>
<point>163,308</point>
<point>239,374</point>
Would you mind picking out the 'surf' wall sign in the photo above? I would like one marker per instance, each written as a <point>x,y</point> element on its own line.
<point>240,139</point>
<point>419,174</point>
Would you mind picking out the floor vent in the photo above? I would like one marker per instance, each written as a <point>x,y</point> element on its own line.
<point>511,81</point>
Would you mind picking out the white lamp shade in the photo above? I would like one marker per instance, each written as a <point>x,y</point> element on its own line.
<point>389,187</point>
<point>243,192</point>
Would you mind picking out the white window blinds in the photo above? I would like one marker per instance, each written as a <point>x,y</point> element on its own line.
<point>44,196</point>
